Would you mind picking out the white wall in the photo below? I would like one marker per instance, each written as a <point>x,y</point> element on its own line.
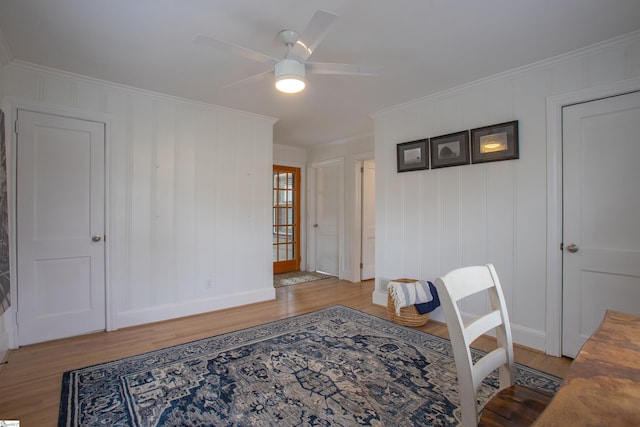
<point>189,202</point>
<point>286,155</point>
<point>350,152</point>
<point>429,222</point>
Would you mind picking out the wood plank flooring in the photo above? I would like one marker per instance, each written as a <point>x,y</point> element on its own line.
<point>30,381</point>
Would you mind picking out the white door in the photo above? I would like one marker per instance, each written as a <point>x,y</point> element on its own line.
<point>601,218</point>
<point>368,270</point>
<point>327,217</point>
<point>60,227</point>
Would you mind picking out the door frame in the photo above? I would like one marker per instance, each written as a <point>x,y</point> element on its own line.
<point>303,210</point>
<point>297,208</point>
<point>356,259</point>
<point>555,104</point>
<point>12,106</point>
<point>311,209</point>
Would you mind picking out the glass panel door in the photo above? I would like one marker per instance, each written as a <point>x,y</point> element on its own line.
<point>286,219</point>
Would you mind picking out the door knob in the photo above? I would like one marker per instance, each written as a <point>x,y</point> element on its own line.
<point>96,238</point>
<point>573,248</point>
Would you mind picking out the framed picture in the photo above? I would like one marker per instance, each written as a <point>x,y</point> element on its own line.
<point>495,142</point>
<point>413,155</point>
<point>450,150</point>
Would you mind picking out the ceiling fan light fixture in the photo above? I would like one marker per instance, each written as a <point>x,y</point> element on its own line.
<point>290,76</point>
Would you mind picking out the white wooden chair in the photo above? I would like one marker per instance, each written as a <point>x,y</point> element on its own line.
<point>512,405</point>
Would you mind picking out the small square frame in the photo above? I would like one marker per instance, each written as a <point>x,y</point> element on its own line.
<point>495,142</point>
<point>450,150</point>
<point>413,155</point>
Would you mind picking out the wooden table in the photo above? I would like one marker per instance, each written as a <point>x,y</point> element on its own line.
<point>602,387</point>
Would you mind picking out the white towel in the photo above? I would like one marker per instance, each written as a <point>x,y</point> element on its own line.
<point>407,294</point>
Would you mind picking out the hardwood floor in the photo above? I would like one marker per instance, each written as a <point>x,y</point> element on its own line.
<point>30,380</point>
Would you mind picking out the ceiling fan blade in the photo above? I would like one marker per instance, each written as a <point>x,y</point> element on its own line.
<point>239,50</point>
<point>260,76</point>
<point>311,37</point>
<point>342,69</point>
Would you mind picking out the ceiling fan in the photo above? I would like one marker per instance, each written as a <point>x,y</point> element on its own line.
<point>291,70</point>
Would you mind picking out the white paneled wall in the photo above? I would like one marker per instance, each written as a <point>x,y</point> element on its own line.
<point>285,155</point>
<point>432,221</point>
<point>189,205</point>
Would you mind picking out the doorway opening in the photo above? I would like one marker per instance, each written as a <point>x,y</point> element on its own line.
<point>555,232</point>
<point>286,219</point>
<point>60,225</point>
<point>601,233</point>
<point>367,219</point>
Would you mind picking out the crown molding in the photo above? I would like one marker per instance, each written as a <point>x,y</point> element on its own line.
<point>17,63</point>
<point>580,52</point>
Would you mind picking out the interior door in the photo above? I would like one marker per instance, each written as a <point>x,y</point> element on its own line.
<point>368,270</point>
<point>601,220</point>
<point>60,227</point>
<point>286,219</point>
<point>327,217</point>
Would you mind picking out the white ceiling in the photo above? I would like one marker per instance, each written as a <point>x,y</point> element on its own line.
<point>423,47</point>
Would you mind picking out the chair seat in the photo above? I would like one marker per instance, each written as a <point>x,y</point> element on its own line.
<point>514,406</point>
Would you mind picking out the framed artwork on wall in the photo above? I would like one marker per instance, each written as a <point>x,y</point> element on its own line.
<point>450,150</point>
<point>495,142</point>
<point>413,155</point>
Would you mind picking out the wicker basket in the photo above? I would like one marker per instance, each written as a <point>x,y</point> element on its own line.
<point>409,316</point>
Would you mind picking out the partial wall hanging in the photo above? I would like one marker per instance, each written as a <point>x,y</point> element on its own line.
<point>413,155</point>
<point>450,150</point>
<point>495,142</point>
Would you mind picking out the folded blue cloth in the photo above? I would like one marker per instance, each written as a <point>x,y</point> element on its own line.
<point>428,307</point>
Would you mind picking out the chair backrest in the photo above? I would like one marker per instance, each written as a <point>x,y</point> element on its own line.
<point>453,287</point>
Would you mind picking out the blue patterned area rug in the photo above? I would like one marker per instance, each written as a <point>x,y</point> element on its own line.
<point>334,367</point>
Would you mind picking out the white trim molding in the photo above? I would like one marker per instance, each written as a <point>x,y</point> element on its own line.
<point>311,209</point>
<point>356,235</point>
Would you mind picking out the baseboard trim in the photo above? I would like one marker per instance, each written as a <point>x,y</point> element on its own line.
<point>379,297</point>
<point>523,336</point>
<point>190,308</point>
